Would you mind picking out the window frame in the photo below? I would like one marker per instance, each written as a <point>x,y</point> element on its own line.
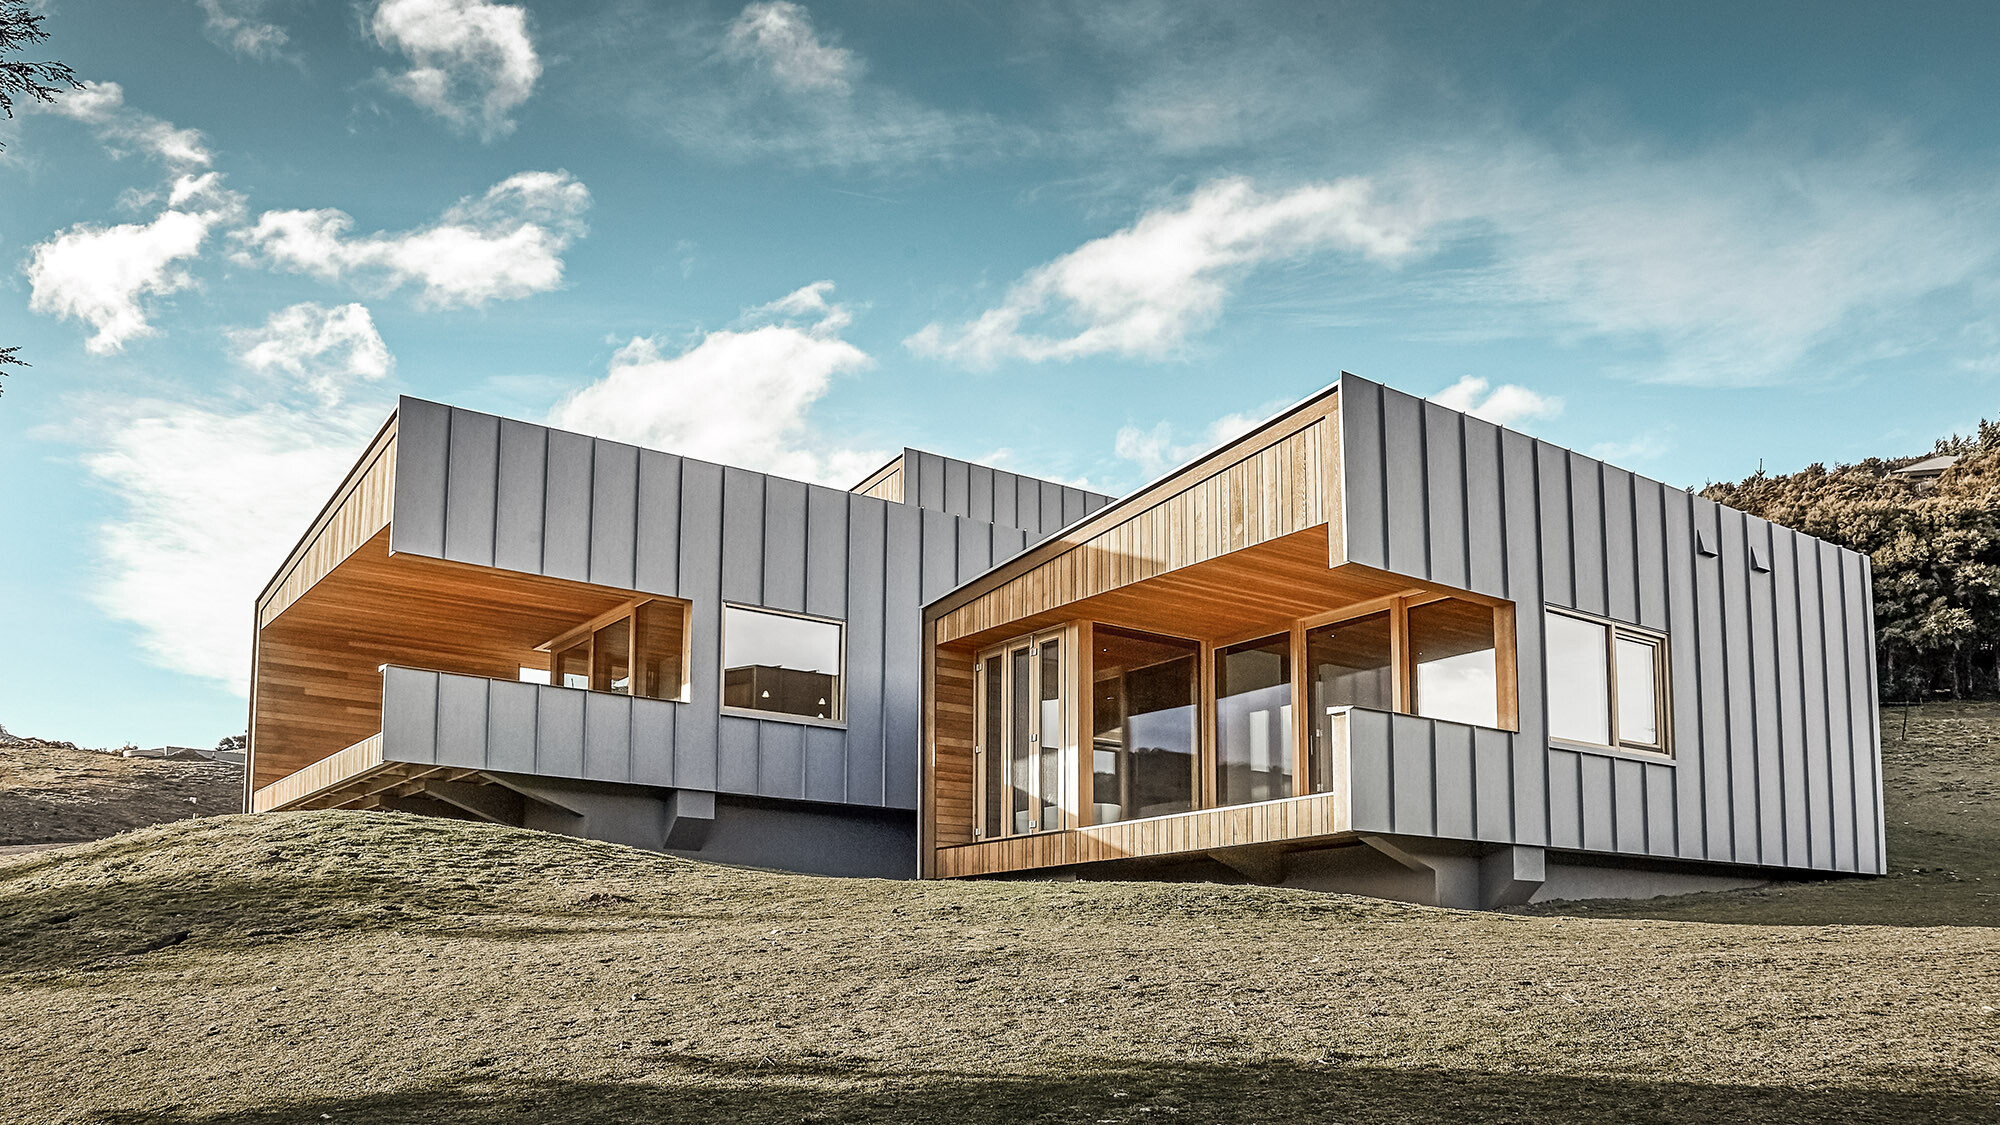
<point>584,637</point>
<point>1068,801</point>
<point>838,720</point>
<point>1663,711</point>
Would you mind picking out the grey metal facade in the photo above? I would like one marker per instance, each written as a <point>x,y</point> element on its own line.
<point>1776,753</point>
<point>474,488</point>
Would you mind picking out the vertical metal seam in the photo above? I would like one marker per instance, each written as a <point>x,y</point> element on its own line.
<point>444,506</point>
<point>590,512</point>
<point>1464,506</point>
<point>1847,675</point>
<point>1805,722</point>
<point>493,547</point>
<point>1382,469</point>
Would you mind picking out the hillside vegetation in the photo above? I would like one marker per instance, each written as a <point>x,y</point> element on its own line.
<point>332,966</point>
<point>60,794</point>
<point>1935,549</point>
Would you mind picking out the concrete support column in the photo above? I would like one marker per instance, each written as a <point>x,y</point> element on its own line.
<point>1467,877</point>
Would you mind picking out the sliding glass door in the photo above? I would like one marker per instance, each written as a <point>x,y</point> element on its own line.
<point>1022,737</point>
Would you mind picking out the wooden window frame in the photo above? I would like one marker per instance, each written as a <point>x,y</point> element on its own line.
<point>585,636</point>
<point>1663,712</point>
<point>837,721</point>
<point>1071,803</point>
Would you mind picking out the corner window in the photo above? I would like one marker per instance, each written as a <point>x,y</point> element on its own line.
<point>1607,683</point>
<point>638,649</point>
<point>1253,718</point>
<point>782,663</point>
<point>1452,652</point>
<point>1145,739</point>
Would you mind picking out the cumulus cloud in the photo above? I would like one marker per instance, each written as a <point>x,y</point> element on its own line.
<point>214,490</point>
<point>505,244</point>
<point>1504,405</point>
<point>740,395</point>
<point>101,105</point>
<point>106,277</point>
<point>240,26</point>
<point>324,349</point>
<point>472,62</point>
<point>1155,451</point>
<point>1142,291</point>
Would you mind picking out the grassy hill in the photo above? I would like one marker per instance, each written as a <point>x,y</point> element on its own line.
<point>53,794</point>
<point>368,967</point>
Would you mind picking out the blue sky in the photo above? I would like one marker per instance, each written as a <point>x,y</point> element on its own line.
<point>1080,240</point>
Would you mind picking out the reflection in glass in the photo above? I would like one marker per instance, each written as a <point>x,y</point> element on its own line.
<point>658,630</point>
<point>1019,764</point>
<point>1050,728</point>
<point>1638,692</point>
<point>1143,736</point>
<point>1451,649</point>
<point>1579,680</point>
<point>1348,664</point>
<point>994,756</point>
<point>573,666</point>
<point>775,662</point>
<point>1253,718</point>
<point>611,658</point>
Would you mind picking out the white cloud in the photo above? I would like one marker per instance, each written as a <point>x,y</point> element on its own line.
<point>214,491</point>
<point>1142,291</point>
<point>1739,264</point>
<point>240,26</point>
<point>1155,450</point>
<point>324,349</point>
<point>740,396</point>
<point>473,62</point>
<point>103,276</point>
<point>1504,405</point>
<point>780,36</point>
<point>503,245</point>
<point>1645,447</point>
<point>101,105</point>
<point>769,85</point>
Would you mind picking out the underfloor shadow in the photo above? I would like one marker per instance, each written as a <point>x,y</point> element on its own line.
<point>687,1089</point>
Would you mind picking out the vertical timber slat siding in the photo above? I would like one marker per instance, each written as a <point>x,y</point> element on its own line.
<point>1776,754</point>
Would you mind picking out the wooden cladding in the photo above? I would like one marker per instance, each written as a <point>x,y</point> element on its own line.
<point>329,772</point>
<point>1318,818</point>
<point>951,709</point>
<point>886,483</point>
<point>1267,492</point>
<point>358,510</point>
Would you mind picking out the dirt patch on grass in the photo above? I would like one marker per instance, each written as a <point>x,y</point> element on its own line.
<point>54,795</point>
<point>373,967</point>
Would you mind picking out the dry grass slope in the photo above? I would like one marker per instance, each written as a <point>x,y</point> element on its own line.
<point>367,967</point>
<point>53,795</point>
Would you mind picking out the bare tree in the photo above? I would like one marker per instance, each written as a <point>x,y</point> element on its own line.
<point>34,81</point>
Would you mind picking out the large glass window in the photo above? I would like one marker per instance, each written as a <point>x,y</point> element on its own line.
<point>1452,657</point>
<point>1606,683</point>
<point>1022,737</point>
<point>1349,663</point>
<point>1253,717</point>
<point>640,651</point>
<point>1144,745</point>
<point>780,663</point>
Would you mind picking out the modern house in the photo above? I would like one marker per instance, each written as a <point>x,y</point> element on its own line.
<point>1378,645</point>
<point>1373,645</point>
<point>499,620</point>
